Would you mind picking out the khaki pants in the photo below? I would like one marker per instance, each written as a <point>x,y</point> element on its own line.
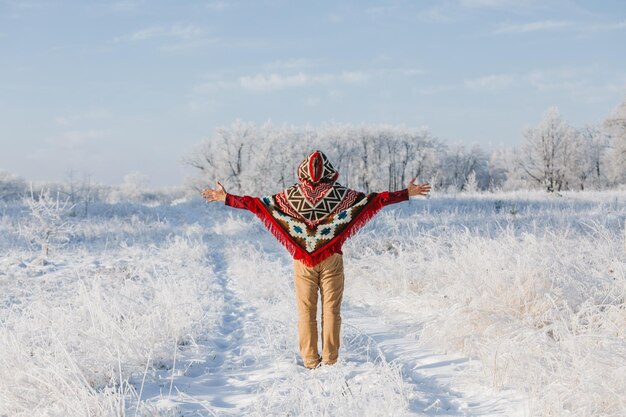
<point>328,277</point>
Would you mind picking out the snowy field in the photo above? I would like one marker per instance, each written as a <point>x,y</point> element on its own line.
<point>470,305</point>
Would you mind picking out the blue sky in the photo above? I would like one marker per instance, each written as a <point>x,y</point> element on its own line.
<point>107,88</point>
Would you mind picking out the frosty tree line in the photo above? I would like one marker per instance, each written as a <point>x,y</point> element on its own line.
<point>261,159</point>
<point>554,156</point>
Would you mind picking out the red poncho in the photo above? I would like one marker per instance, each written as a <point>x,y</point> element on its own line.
<point>314,217</point>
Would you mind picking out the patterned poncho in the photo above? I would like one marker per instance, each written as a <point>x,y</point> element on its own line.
<point>314,217</point>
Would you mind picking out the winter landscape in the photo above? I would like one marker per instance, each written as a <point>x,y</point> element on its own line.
<point>471,303</point>
<point>123,293</point>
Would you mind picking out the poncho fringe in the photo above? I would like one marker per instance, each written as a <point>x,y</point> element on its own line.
<point>334,246</point>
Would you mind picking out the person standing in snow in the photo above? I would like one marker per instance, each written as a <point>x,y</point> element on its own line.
<point>312,219</point>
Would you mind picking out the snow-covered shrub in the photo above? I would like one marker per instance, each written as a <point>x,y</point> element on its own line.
<point>47,225</point>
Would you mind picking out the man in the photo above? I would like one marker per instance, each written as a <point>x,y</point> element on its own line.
<point>312,219</point>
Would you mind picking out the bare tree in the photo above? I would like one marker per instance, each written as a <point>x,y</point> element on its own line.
<point>548,152</point>
<point>459,163</point>
<point>498,168</point>
<point>615,124</point>
<point>591,156</point>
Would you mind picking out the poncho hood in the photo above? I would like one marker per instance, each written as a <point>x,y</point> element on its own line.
<point>316,168</point>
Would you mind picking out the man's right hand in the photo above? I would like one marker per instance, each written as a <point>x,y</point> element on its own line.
<point>217,194</point>
<point>421,189</point>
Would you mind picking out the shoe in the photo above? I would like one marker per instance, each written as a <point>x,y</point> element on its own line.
<point>314,366</point>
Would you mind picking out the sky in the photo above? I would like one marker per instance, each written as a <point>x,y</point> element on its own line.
<point>106,88</point>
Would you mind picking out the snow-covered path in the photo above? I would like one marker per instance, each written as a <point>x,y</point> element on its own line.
<point>250,364</point>
<point>216,376</point>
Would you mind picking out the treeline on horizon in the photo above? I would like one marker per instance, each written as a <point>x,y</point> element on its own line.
<point>554,156</point>
<point>262,159</point>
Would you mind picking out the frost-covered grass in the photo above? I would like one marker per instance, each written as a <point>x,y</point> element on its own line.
<point>534,286</point>
<point>531,285</point>
<point>97,315</point>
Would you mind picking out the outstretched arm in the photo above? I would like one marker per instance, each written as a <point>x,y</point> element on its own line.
<point>392,197</point>
<point>236,201</point>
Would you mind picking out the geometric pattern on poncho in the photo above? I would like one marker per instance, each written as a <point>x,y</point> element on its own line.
<point>314,203</point>
<point>313,237</point>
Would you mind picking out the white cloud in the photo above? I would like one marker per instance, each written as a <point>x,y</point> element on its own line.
<point>384,8</point>
<point>17,9</point>
<point>37,154</point>
<point>274,82</point>
<point>334,18</point>
<point>589,84</point>
<point>62,121</point>
<point>546,25</point>
<point>179,32</point>
<point>202,104</point>
<point>353,77</point>
<point>476,4</point>
<point>73,119</point>
<point>490,82</point>
<point>434,89</point>
<point>568,80</point>
<point>210,86</point>
<point>218,5</point>
<point>290,64</point>
<point>312,102</point>
<point>141,35</point>
<point>25,5</point>
<point>409,72</point>
<point>188,44</point>
<point>335,95</point>
<point>534,26</point>
<point>385,94</point>
<point>253,43</point>
<point>72,139</point>
<point>616,87</point>
<point>438,13</point>
<point>174,38</point>
<point>125,5</point>
<point>607,26</point>
<point>404,72</point>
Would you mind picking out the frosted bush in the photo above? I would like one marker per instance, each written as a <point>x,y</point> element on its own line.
<point>47,225</point>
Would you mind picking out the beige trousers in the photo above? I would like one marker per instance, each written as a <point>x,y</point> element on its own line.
<point>328,277</point>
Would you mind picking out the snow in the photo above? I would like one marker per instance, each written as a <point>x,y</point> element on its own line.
<point>508,304</point>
